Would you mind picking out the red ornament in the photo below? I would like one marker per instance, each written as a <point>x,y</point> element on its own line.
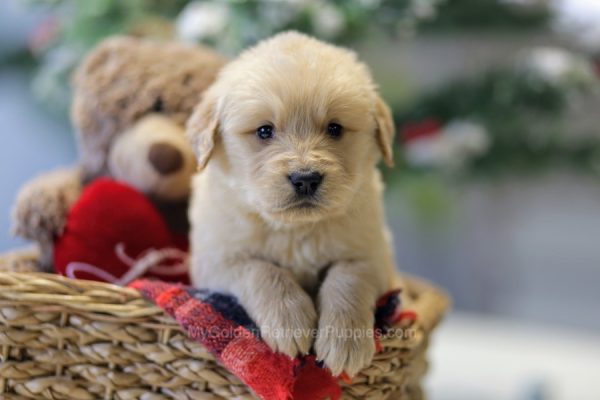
<point>596,63</point>
<point>44,35</point>
<point>420,129</point>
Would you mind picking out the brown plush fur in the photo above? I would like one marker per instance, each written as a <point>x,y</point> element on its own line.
<point>125,87</point>
<point>125,79</point>
<point>42,205</point>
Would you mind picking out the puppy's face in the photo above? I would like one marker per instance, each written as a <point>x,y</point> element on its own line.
<point>300,127</point>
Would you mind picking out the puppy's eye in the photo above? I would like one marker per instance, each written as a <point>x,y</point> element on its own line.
<point>265,132</point>
<point>335,130</point>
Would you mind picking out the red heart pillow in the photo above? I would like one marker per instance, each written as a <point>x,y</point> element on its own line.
<point>108,228</point>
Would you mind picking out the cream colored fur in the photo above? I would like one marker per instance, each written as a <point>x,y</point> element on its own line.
<point>296,270</point>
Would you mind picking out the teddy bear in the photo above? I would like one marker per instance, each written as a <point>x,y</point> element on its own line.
<point>131,100</point>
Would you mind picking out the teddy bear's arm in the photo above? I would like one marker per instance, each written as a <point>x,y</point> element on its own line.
<point>41,208</point>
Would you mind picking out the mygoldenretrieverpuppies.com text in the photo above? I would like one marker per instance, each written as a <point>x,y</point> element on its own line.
<point>224,333</point>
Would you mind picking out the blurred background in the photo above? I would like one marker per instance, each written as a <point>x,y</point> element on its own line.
<point>495,195</point>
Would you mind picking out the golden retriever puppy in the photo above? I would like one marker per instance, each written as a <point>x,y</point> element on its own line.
<point>287,215</point>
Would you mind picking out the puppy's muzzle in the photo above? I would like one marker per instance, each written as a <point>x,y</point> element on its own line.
<point>306,183</point>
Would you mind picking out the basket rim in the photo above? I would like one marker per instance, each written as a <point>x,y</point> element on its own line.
<point>44,290</point>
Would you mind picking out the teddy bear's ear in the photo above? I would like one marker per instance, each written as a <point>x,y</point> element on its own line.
<point>385,131</point>
<point>202,128</point>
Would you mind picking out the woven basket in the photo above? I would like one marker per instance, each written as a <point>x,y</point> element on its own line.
<point>75,339</point>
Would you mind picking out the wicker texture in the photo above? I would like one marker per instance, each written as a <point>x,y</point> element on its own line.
<point>72,339</point>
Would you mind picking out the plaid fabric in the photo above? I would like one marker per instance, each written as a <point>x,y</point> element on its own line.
<point>219,323</point>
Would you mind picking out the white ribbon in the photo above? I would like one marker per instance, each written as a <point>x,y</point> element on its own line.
<point>150,260</point>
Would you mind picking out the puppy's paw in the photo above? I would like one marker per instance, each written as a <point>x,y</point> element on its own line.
<point>345,341</point>
<point>287,325</point>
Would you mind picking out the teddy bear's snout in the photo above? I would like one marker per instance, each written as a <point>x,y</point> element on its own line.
<point>165,158</point>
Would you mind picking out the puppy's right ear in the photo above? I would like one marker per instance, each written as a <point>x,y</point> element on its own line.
<point>202,129</point>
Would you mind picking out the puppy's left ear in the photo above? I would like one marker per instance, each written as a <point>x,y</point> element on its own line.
<point>385,131</point>
<point>202,128</point>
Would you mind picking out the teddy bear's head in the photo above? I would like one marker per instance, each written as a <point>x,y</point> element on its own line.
<point>131,100</point>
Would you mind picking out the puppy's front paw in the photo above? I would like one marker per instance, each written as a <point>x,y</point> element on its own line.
<point>345,341</point>
<point>287,325</point>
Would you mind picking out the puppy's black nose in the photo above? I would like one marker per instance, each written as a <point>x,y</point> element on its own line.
<point>306,183</point>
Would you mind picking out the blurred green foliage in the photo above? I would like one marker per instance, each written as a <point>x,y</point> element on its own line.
<point>455,15</point>
<point>525,116</point>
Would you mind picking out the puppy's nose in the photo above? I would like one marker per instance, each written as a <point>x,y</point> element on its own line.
<point>306,183</point>
<point>165,158</point>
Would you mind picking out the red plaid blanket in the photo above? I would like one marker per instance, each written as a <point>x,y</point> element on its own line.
<point>218,322</point>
